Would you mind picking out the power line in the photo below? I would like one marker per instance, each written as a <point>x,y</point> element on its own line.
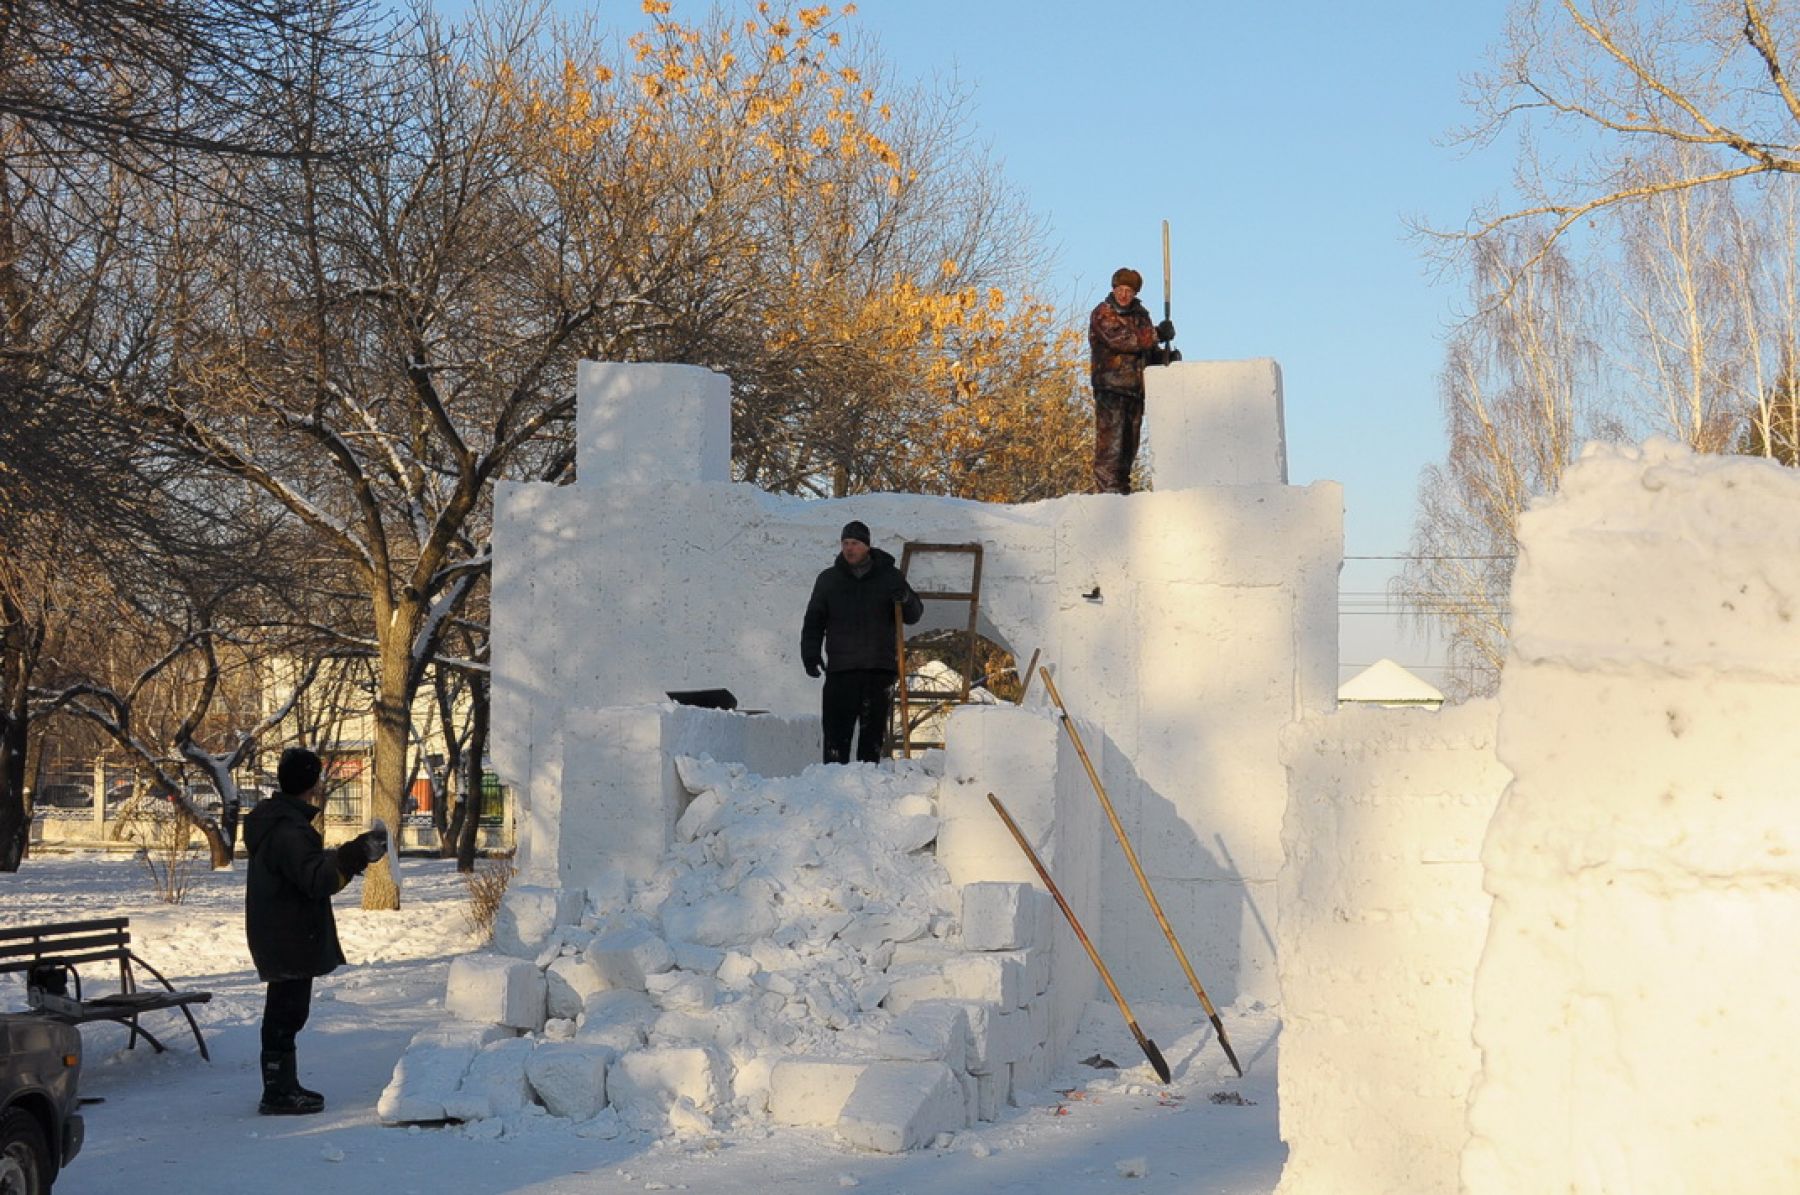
<point>1435,556</point>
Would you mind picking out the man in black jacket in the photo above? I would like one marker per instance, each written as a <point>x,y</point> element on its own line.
<point>851,616</point>
<point>287,916</point>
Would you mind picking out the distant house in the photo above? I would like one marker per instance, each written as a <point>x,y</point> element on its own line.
<point>1386,683</point>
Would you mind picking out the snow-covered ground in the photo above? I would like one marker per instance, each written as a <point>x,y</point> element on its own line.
<point>173,1123</point>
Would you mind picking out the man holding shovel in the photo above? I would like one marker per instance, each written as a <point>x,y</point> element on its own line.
<point>1119,336</point>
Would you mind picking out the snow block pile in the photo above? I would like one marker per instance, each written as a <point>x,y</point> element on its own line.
<point>798,956</point>
<point>1637,998</point>
<point>1382,920</point>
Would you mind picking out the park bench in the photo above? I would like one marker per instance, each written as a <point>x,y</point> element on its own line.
<point>51,955</point>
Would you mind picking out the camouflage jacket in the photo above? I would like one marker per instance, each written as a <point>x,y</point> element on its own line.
<point>1117,338</point>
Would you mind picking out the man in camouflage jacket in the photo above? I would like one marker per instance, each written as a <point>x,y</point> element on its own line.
<point>1119,334</point>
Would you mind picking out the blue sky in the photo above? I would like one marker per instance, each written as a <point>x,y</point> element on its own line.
<point>1287,144</point>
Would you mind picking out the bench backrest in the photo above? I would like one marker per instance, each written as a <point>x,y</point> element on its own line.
<point>72,942</point>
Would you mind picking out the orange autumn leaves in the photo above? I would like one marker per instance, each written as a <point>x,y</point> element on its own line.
<point>765,151</point>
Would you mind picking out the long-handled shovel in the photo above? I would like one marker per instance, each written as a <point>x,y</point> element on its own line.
<point>1143,881</point>
<point>1149,1047</point>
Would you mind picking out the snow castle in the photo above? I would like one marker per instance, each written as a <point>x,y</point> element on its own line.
<point>1216,626</point>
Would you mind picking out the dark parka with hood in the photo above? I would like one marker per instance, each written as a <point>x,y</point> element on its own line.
<point>287,896</point>
<point>853,617</point>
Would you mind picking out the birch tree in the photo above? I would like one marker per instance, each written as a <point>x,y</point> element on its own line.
<point>1620,82</point>
<point>1517,401</point>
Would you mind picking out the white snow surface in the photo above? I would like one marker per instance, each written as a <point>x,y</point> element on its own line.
<point>1635,1004</point>
<point>171,1124</point>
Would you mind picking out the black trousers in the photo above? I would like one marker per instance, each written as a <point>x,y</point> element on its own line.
<point>857,697</point>
<point>284,1013</point>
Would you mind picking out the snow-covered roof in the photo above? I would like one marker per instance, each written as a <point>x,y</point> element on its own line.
<point>1387,683</point>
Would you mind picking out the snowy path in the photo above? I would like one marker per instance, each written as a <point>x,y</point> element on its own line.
<point>171,1124</point>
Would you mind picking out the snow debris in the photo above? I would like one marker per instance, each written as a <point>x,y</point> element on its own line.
<point>794,957</point>
<point>1131,1167</point>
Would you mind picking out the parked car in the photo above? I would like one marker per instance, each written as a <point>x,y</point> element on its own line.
<point>40,1131</point>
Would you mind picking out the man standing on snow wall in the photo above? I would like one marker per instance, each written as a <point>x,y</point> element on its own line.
<point>851,616</point>
<point>287,916</point>
<point>1119,335</point>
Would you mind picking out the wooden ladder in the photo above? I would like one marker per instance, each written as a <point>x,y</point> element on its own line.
<point>933,701</point>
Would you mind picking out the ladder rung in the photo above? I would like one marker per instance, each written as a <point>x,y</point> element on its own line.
<point>918,546</point>
<point>934,697</point>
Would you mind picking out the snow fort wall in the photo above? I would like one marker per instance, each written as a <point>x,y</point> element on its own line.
<point>1382,916</point>
<point>1186,627</point>
<point>1636,998</point>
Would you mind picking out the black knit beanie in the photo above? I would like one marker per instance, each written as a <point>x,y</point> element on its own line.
<point>856,530</point>
<point>298,770</point>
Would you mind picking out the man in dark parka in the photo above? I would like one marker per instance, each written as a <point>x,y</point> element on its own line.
<point>848,634</point>
<point>287,916</point>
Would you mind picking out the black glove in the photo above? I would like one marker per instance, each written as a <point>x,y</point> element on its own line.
<point>375,842</point>
<point>814,667</point>
<point>1165,331</point>
<point>352,858</point>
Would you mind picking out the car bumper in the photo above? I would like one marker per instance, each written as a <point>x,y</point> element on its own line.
<point>74,1133</point>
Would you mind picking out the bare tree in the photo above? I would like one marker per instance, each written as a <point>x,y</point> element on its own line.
<point>1517,402</point>
<point>1624,81</point>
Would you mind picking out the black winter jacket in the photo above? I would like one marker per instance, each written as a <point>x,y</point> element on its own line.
<point>853,617</point>
<point>287,896</point>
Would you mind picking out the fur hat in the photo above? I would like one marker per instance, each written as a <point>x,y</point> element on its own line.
<point>855,529</point>
<point>298,771</point>
<point>1127,276</point>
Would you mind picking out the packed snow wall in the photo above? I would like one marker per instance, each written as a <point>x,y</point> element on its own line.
<point>1382,921</point>
<point>1636,999</point>
<point>1185,626</point>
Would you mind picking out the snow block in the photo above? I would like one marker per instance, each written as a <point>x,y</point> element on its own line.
<point>430,1071</point>
<point>997,916</point>
<point>681,991</point>
<point>530,914</point>
<point>897,1106</point>
<point>1381,919</point>
<point>727,919</point>
<point>646,1086</point>
<point>570,1077</point>
<point>932,1031</point>
<point>991,1093</point>
<point>639,424</point>
<point>568,982</point>
<point>1216,423</point>
<point>617,1017</point>
<point>625,959</point>
<point>494,1084</point>
<point>1032,1073</point>
<point>812,1091</point>
<point>913,986</point>
<point>992,978</point>
<point>496,988</point>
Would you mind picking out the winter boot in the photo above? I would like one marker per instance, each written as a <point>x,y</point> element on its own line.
<point>282,1093</point>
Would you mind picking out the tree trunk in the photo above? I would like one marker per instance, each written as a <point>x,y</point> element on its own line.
<point>393,724</point>
<point>473,761</point>
<point>15,826</point>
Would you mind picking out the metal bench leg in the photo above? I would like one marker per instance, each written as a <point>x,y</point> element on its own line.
<point>138,1031</point>
<point>195,1026</point>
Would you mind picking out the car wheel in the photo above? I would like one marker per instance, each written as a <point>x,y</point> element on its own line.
<point>24,1158</point>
